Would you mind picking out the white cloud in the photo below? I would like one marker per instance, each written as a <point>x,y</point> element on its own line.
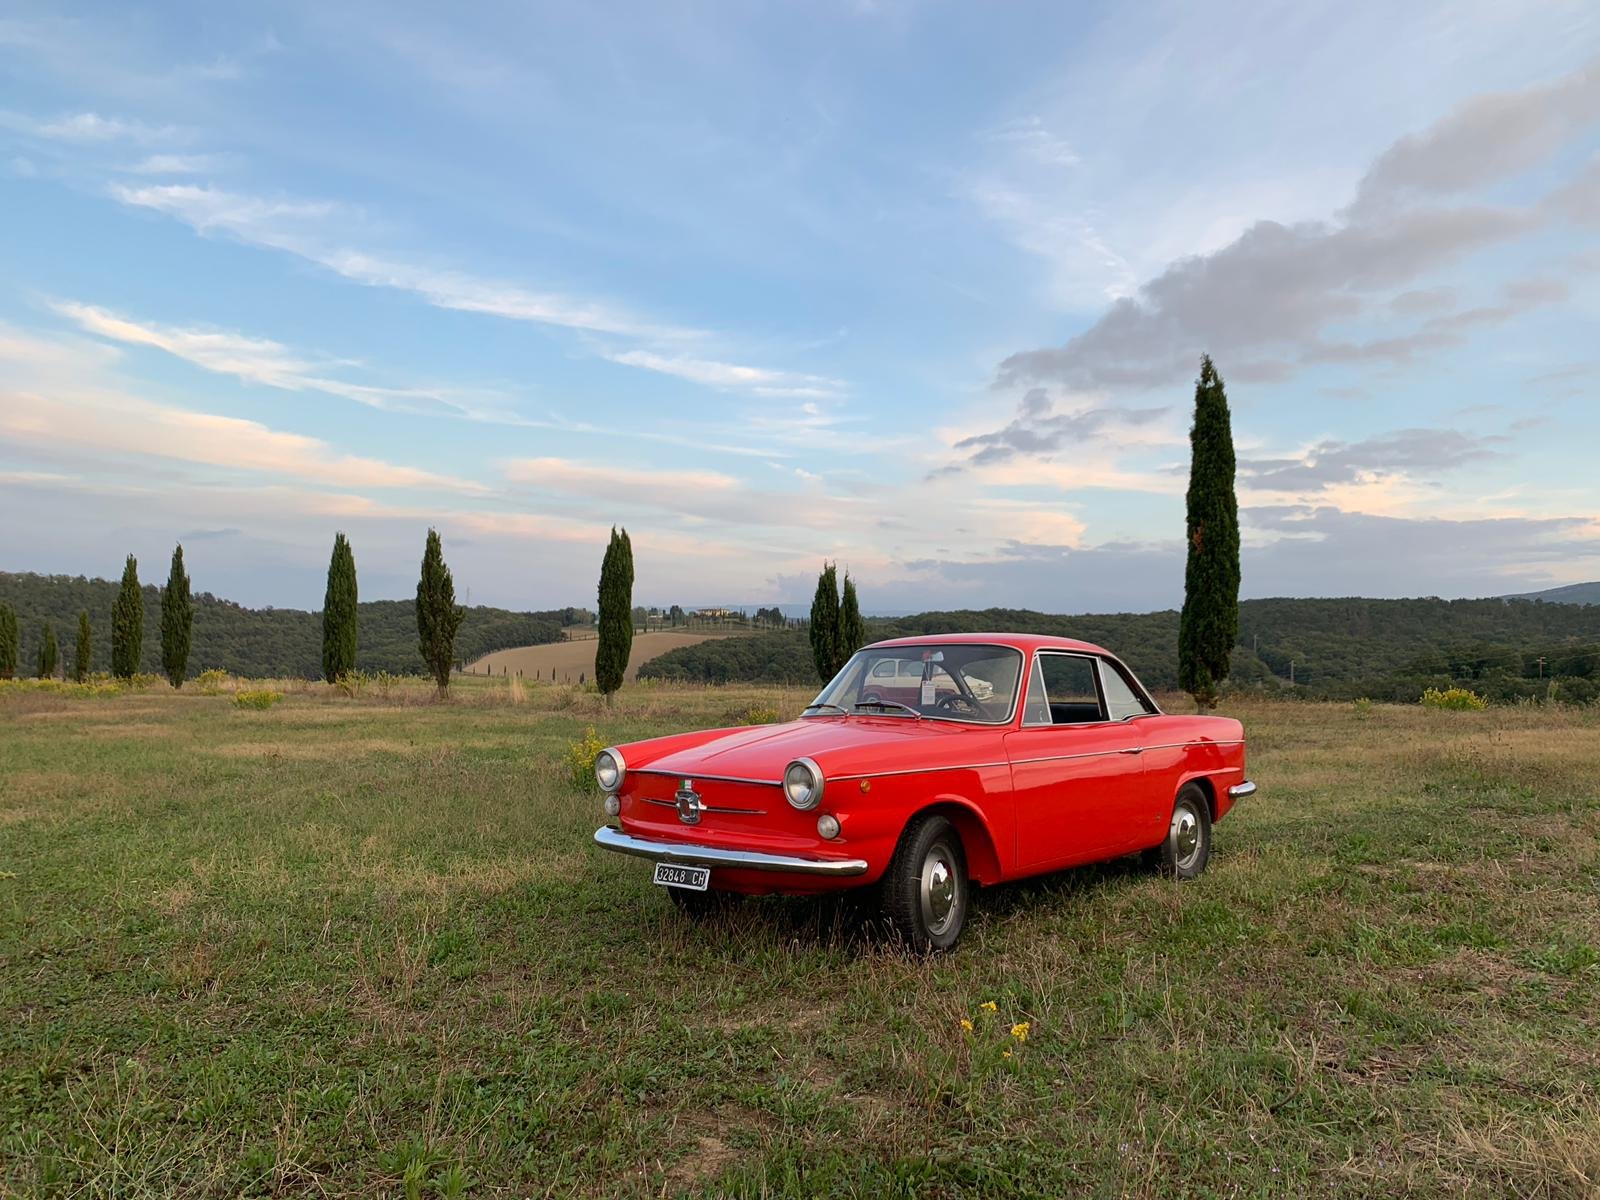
<point>176,164</point>
<point>266,362</point>
<point>303,228</point>
<point>123,426</point>
<point>760,380</point>
<point>88,127</point>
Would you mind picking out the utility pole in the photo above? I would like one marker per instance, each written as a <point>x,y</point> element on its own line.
<point>1541,666</point>
<point>1291,671</point>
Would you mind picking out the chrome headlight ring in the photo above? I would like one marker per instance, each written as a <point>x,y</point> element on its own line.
<point>610,770</point>
<point>802,784</point>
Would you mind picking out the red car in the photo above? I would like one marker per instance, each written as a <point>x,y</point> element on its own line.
<point>927,765</point>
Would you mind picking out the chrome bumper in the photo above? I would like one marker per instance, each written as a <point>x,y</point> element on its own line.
<point>1240,790</point>
<point>712,856</point>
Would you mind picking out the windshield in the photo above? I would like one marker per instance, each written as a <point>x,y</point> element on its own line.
<point>949,682</point>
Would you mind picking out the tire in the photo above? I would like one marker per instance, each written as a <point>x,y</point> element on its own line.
<point>697,906</point>
<point>1186,849</point>
<point>925,893</point>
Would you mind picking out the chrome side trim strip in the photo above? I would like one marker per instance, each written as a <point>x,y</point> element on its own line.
<point>1240,790</point>
<point>711,856</point>
<point>922,770</point>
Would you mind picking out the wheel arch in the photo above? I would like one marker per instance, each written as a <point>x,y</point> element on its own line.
<point>977,842</point>
<point>1207,789</point>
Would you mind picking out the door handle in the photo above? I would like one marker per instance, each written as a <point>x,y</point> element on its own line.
<point>1131,750</point>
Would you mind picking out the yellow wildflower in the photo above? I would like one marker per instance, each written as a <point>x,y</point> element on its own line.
<point>1005,1054</point>
<point>966,1025</point>
<point>988,1006</point>
<point>1020,1031</point>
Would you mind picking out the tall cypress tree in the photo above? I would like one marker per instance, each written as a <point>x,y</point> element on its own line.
<point>47,653</point>
<point>825,623</point>
<point>438,617</point>
<point>10,644</point>
<point>339,612</point>
<point>616,614</point>
<point>177,621</point>
<point>852,629</point>
<point>1209,625</point>
<point>127,623</point>
<point>81,664</point>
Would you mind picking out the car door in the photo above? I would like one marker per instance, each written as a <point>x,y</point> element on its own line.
<point>1147,814</point>
<point>1076,776</point>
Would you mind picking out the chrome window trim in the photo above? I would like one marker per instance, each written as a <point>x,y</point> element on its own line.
<point>1099,691</point>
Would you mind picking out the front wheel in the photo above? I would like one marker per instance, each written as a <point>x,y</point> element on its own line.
<point>925,890</point>
<point>1187,847</point>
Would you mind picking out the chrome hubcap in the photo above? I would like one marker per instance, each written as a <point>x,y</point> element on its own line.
<point>1185,835</point>
<point>941,895</point>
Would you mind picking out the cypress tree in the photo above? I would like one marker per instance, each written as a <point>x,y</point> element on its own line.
<point>1209,625</point>
<point>339,613</point>
<point>825,623</point>
<point>438,617</point>
<point>81,672</point>
<point>9,642</point>
<point>47,653</point>
<point>127,623</point>
<point>852,629</point>
<point>177,621</point>
<point>615,643</point>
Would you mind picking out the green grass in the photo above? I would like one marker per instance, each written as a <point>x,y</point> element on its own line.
<point>362,946</point>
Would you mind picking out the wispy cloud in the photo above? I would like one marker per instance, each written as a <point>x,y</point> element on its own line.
<point>88,127</point>
<point>307,228</point>
<point>265,362</point>
<point>125,426</point>
<point>760,380</point>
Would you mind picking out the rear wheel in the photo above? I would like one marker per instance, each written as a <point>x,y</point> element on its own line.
<point>1187,847</point>
<point>925,891</point>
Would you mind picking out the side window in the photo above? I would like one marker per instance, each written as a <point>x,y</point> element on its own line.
<point>883,669</point>
<point>1069,686</point>
<point>1121,700</point>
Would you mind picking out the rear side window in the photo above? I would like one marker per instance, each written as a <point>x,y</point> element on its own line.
<point>1121,699</point>
<point>1069,690</point>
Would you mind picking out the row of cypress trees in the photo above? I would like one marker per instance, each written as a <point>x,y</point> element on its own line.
<point>837,627</point>
<point>127,630</point>
<point>438,616</point>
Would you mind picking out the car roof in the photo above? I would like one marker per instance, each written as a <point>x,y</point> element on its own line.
<point>1025,642</point>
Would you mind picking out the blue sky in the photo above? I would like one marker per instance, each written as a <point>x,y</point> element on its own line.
<point>919,287</point>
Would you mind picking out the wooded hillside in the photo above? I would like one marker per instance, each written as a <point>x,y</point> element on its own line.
<point>258,642</point>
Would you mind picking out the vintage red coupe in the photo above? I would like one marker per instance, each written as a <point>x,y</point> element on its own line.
<point>927,765</point>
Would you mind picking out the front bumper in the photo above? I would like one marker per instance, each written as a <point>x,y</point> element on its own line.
<point>714,856</point>
<point>1240,790</point>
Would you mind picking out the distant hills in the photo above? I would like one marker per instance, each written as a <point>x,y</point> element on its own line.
<point>257,642</point>
<point>1572,593</point>
<point>1336,648</point>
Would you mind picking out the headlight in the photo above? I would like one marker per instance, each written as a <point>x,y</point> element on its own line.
<point>609,770</point>
<point>802,783</point>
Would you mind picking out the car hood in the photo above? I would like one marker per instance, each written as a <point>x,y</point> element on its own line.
<point>839,745</point>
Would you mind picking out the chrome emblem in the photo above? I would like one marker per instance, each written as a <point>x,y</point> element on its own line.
<point>689,806</point>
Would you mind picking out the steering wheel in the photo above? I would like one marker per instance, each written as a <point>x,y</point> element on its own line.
<point>956,702</point>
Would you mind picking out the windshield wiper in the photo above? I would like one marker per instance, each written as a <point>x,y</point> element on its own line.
<point>838,708</point>
<point>885,705</point>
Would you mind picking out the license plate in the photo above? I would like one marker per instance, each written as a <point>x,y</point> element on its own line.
<point>671,875</point>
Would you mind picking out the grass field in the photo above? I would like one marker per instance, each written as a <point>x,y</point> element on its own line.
<point>575,659</point>
<point>362,946</point>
